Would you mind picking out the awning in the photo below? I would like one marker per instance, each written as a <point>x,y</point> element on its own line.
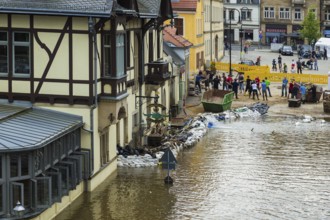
<point>293,35</point>
<point>29,128</point>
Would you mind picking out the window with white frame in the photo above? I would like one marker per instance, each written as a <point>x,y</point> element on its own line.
<point>21,53</point>
<point>297,14</point>
<point>246,15</point>
<point>3,53</point>
<point>327,15</point>
<point>120,54</point>
<point>269,12</point>
<point>107,54</point>
<point>284,13</point>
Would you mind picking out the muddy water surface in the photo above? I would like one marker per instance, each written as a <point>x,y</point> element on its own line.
<point>267,168</point>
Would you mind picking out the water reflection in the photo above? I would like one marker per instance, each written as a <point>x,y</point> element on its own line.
<point>267,168</point>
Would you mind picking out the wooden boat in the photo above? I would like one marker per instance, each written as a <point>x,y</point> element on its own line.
<point>217,100</point>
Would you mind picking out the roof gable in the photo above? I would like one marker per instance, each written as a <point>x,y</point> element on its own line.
<point>177,40</point>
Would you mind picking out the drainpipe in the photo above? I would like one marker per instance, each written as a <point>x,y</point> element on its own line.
<point>141,80</point>
<point>91,27</point>
<point>211,48</point>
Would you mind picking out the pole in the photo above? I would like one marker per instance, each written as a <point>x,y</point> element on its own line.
<point>230,42</point>
<point>241,36</point>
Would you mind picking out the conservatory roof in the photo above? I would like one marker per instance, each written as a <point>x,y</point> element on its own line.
<point>28,128</point>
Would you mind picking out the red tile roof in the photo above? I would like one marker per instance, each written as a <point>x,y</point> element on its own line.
<point>184,5</point>
<point>177,40</point>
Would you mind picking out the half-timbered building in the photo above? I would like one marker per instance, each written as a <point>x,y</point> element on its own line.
<point>75,79</point>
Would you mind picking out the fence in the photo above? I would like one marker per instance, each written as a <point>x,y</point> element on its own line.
<point>264,71</point>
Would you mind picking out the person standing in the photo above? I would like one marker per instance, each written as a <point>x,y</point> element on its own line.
<point>290,88</point>
<point>235,85</point>
<point>229,82</point>
<point>254,89</point>
<point>245,49</point>
<point>313,89</point>
<point>248,86</point>
<point>299,66</point>
<point>264,90</point>
<point>279,61</point>
<point>303,93</point>
<point>293,66</point>
<point>257,80</point>
<point>316,67</point>
<point>325,54</point>
<point>241,82</point>
<point>285,68</point>
<point>216,82</point>
<point>268,86</point>
<point>198,79</point>
<point>224,82</point>
<point>274,65</point>
<point>207,82</point>
<point>284,87</point>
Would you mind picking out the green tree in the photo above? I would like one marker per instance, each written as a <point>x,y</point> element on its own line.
<point>310,27</point>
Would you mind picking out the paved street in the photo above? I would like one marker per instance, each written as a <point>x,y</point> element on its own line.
<point>267,56</point>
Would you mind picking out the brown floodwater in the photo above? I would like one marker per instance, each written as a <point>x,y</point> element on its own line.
<point>264,168</point>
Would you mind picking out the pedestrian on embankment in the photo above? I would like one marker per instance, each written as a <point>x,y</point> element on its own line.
<point>254,90</point>
<point>284,87</point>
<point>264,90</point>
<point>235,86</point>
<point>268,86</point>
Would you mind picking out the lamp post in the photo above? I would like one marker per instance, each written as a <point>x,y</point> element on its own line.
<point>19,210</point>
<point>241,30</point>
<point>230,37</point>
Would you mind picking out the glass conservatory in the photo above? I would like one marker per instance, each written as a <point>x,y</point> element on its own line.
<point>41,159</point>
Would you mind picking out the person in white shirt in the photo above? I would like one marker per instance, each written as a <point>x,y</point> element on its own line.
<point>254,89</point>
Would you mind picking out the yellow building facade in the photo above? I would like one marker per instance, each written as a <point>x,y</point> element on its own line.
<point>190,22</point>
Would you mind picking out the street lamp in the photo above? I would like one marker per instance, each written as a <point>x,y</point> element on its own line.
<point>230,37</point>
<point>241,30</point>
<point>19,210</point>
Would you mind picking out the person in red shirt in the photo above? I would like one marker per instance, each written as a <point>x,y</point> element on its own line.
<point>257,80</point>
<point>229,82</point>
<point>290,88</point>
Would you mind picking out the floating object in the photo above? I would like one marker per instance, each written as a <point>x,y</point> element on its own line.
<point>210,125</point>
<point>306,120</point>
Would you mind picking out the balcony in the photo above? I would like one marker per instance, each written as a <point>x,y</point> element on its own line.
<point>113,88</point>
<point>157,73</point>
<point>298,3</point>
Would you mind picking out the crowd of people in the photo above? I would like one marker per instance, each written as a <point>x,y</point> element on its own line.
<point>238,84</point>
<point>296,66</point>
<point>254,88</point>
